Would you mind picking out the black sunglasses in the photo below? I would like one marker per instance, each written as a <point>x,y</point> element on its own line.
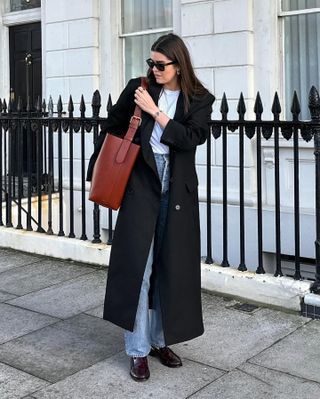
<point>159,65</point>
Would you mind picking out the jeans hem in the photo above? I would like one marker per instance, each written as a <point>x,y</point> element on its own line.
<point>138,355</point>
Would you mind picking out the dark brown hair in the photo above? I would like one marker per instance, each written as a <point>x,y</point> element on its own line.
<point>173,47</point>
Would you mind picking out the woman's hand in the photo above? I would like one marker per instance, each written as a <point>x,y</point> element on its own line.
<point>145,101</point>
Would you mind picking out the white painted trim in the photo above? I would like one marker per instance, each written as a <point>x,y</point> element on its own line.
<point>110,47</point>
<point>146,32</point>
<point>312,299</point>
<point>282,292</point>
<point>57,247</point>
<point>299,12</point>
<point>43,50</point>
<point>176,16</point>
<point>5,64</point>
<point>12,19</point>
<point>22,17</point>
<point>281,76</point>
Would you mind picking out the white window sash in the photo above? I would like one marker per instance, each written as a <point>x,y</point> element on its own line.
<point>299,12</point>
<point>146,32</point>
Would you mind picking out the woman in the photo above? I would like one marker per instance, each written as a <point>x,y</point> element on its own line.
<point>155,256</point>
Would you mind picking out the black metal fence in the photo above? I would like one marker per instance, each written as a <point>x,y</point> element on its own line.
<point>32,167</point>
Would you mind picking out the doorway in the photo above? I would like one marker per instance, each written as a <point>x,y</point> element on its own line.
<point>25,63</point>
<point>25,82</point>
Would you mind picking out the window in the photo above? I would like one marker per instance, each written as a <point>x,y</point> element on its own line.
<point>301,50</point>
<point>18,5</point>
<point>143,21</point>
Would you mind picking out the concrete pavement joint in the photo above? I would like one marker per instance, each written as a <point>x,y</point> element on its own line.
<point>35,311</point>
<point>50,286</point>
<point>284,372</point>
<point>205,386</point>
<point>22,266</point>
<point>207,365</point>
<point>25,372</point>
<point>9,293</point>
<point>253,376</point>
<point>278,340</point>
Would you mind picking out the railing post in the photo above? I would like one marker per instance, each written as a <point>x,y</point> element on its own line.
<point>110,227</point>
<point>224,109</point>
<point>50,166</point>
<point>96,104</point>
<point>83,171</point>
<point>209,259</point>
<point>314,106</point>
<point>2,160</point>
<point>60,165</point>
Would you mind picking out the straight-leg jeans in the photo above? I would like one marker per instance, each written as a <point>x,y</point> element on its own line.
<point>148,323</point>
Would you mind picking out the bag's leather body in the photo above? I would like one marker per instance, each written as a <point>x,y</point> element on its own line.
<point>114,165</point>
<point>109,180</point>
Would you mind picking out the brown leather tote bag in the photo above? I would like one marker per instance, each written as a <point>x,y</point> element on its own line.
<point>114,164</point>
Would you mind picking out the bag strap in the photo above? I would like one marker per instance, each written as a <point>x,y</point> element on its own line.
<point>135,120</point>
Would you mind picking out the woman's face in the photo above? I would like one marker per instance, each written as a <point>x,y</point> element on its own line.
<point>168,78</point>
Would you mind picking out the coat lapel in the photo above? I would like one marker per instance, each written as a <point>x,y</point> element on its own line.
<point>146,130</point>
<point>148,123</point>
<point>179,114</point>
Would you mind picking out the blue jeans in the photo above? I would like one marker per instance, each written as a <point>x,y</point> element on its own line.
<point>148,323</point>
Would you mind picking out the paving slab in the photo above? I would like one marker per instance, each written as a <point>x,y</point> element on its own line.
<point>231,337</point>
<point>44,273</point>
<point>16,322</point>
<point>69,298</point>
<point>12,259</point>
<point>15,384</point>
<point>298,354</point>
<point>110,379</point>
<point>254,382</point>
<point>5,296</point>
<point>58,351</point>
<point>96,311</point>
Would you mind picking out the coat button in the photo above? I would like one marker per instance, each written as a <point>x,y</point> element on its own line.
<point>177,207</point>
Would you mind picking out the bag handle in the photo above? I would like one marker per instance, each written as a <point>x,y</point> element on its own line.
<point>135,122</point>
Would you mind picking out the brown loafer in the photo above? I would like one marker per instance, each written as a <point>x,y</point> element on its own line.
<point>139,369</point>
<point>166,356</point>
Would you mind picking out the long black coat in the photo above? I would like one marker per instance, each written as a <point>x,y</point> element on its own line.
<point>178,265</point>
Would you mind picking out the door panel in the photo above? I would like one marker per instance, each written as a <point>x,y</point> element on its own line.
<point>25,62</point>
<point>25,80</point>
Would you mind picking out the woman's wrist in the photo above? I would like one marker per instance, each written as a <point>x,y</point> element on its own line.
<point>156,113</point>
<point>160,117</point>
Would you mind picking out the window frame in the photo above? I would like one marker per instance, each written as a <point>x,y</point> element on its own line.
<point>281,17</point>
<point>123,36</point>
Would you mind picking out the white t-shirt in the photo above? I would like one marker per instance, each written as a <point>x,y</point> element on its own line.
<point>167,103</point>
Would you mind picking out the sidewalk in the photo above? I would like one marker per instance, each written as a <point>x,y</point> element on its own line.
<point>54,344</point>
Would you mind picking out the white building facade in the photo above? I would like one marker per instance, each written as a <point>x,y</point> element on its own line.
<point>236,46</point>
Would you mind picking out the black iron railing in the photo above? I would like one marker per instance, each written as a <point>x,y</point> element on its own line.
<point>33,163</point>
<point>267,130</point>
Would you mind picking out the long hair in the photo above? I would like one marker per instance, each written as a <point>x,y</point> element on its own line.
<point>173,47</point>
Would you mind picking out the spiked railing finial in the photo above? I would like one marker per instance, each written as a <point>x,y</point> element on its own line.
<point>314,103</point>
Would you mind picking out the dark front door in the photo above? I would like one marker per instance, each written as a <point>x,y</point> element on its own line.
<point>25,62</point>
<point>25,82</point>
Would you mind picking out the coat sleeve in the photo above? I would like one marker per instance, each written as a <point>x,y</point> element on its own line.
<point>117,121</point>
<point>186,135</point>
